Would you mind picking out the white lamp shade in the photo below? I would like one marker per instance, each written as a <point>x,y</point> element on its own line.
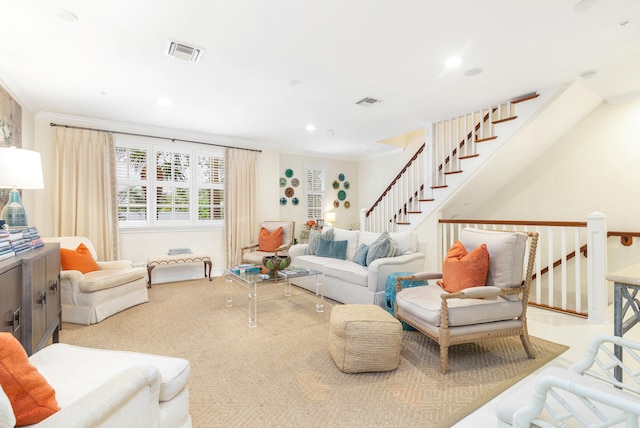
<point>20,168</point>
<point>330,217</point>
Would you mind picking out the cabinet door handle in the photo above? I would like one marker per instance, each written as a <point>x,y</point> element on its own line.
<point>15,321</point>
<point>43,299</point>
<point>53,286</point>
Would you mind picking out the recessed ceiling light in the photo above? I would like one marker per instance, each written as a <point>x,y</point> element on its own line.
<point>67,16</point>
<point>310,128</point>
<point>163,102</point>
<point>294,82</point>
<point>583,5</point>
<point>473,72</point>
<point>453,62</point>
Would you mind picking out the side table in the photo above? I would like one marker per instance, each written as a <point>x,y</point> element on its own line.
<point>626,284</point>
<point>390,293</point>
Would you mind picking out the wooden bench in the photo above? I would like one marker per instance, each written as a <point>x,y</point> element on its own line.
<point>176,259</point>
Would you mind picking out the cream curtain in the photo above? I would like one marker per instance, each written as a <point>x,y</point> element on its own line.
<point>240,202</point>
<point>85,188</point>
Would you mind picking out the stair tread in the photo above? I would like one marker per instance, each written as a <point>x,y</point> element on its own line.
<point>525,98</point>
<point>439,187</point>
<point>480,140</point>
<point>469,156</point>
<point>426,200</point>
<point>506,119</point>
<point>453,172</point>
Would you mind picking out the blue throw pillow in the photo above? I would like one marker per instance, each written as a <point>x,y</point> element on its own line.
<point>384,246</point>
<point>333,249</point>
<point>314,239</point>
<point>361,255</point>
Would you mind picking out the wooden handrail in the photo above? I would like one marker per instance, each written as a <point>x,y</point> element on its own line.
<point>517,222</point>
<point>626,238</point>
<point>408,164</point>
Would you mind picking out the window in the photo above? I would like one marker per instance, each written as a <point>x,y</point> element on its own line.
<point>187,184</point>
<point>315,192</point>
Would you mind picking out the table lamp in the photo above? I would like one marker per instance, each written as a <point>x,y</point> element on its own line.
<point>330,218</point>
<point>19,169</point>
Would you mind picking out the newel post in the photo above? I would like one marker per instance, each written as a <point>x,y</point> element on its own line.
<point>363,219</point>
<point>597,266</point>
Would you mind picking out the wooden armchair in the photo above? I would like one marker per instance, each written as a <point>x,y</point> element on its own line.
<point>253,254</point>
<point>497,309</point>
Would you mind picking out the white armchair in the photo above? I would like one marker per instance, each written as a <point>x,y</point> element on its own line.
<point>588,394</point>
<point>91,297</point>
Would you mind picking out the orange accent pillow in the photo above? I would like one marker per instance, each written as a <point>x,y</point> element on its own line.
<point>80,259</point>
<point>31,396</point>
<point>462,270</point>
<point>270,241</point>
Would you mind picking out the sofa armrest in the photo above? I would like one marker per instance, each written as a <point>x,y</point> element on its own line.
<point>379,269</point>
<point>297,250</point>
<point>130,398</point>
<point>117,264</point>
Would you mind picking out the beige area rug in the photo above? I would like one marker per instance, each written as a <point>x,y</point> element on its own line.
<point>281,374</point>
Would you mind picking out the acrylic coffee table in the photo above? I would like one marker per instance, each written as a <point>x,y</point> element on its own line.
<point>253,282</point>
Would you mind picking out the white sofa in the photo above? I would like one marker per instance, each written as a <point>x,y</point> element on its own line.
<point>348,282</point>
<point>91,297</point>
<point>103,388</point>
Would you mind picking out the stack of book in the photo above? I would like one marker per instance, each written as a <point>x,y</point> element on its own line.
<point>34,236</point>
<point>6,250</point>
<point>19,238</point>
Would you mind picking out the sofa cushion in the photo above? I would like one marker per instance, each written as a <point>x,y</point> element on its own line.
<point>425,303</point>
<point>405,241</point>
<point>32,397</point>
<point>270,241</point>
<point>333,249</point>
<point>351,236</point>
<point>7,418</point>
<point>382,247</point>
<point>462,269</point>
<point>79,259</point>
<point>368,237</point>
<point>313,262</point>
<point>109,278</point>
<point>314,239</point>
<point>361,255</point>
<point>348,271</point>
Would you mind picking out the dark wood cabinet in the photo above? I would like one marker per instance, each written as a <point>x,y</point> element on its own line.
<point>34,276</point>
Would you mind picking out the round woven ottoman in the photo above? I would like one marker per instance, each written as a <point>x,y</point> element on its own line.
<point>364,338</point>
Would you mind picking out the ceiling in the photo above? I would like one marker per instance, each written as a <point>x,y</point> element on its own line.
<point>270,68</point>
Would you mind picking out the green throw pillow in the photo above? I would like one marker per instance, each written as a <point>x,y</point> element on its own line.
<point>333,249</point>
<point>314,240</point>
<point>384,246</point>
<point>361,255</point>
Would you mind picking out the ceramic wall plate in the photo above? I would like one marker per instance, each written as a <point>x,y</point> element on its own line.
<point>283,201</point>
<point>346,185</point>
<point>283,181</point>
<point>336,184</point>
<point>288,192</point>
<point>336,204</point>
<point>289,173</point>
<point>342,195</point>
<point>295,201</point>
<point>347,204</point>
<point>341,177</point>
<point>295,182</point>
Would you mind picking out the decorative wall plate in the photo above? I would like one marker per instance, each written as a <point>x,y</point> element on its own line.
<point>336,184</point>
<point>342,195</point>
<point>347,204</point>
<point>295,201</point>
<point>283,201</point>
<point>346,185</point>
<point>288,192</point>
<point>341,177</point>
<point>283,181</point>
<point>336,204</point>
<point>295,182</point>
<point>289,173</point>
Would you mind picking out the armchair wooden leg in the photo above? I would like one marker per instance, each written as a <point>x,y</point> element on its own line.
<point>444,359</point>
<point>527,345</point>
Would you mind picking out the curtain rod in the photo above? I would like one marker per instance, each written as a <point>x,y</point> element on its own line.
<point>154,136</point>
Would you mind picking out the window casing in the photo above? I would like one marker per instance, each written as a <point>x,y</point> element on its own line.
<point>188,185</point>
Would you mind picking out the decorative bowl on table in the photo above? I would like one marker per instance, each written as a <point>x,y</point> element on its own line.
<point>276,263</point>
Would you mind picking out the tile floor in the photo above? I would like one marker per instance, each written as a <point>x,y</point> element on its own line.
<point>570,330</point>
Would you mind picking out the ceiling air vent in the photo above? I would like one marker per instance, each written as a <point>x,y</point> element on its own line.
<point>366,102</point>
<point>185,52</point>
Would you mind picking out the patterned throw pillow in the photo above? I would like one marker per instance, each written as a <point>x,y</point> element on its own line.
<point>314,240</point>
<point>462,270</point>
<point>382,247</point>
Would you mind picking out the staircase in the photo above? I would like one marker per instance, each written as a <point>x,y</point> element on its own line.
<point>418,183</point>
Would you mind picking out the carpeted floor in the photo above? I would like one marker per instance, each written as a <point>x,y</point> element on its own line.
<point>280,374</point>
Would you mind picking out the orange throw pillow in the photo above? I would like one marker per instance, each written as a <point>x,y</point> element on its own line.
<point>31,396</point>
<point>270,241</point>
<point>80,259</point>
<point>463,270</point>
